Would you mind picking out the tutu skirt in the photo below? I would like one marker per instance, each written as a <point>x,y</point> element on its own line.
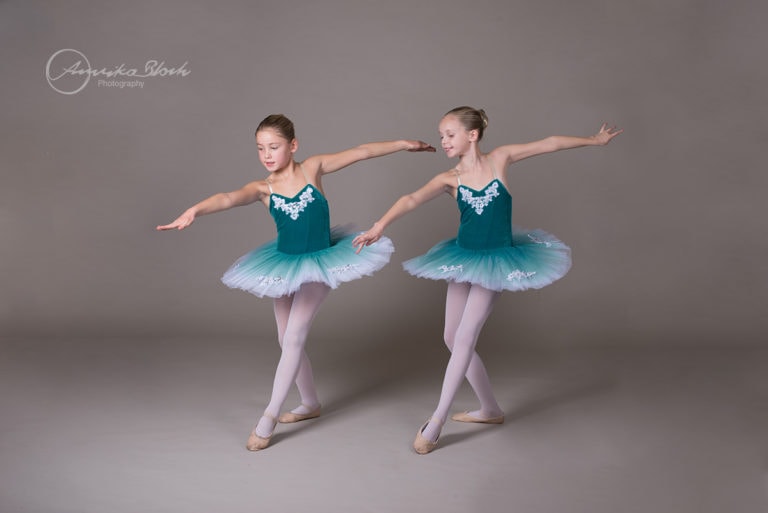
<point>534,260</point>
<point>265,271</point>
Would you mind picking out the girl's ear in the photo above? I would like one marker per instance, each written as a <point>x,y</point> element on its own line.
<point>473,135</point>
<point>294,145</point>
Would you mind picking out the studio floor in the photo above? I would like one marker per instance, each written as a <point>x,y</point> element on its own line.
<point>141,426</point>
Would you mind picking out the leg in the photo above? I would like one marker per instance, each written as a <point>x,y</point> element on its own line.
<point>305,380</point>
<point>306,303</point>
<point>455,304</point>
<point>478,307</point>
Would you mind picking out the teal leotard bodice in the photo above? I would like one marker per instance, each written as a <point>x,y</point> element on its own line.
<point>486,216</point>
<point>306,250</point>
<point>488,251</point>
<point>303,221</point>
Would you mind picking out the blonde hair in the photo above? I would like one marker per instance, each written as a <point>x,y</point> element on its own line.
<point>280,124</point>
<point>470,119</point>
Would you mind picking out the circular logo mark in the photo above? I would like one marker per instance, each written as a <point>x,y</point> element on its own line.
<point>70,72</point>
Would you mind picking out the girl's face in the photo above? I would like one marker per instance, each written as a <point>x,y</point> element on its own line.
<point>454,138</point>
<point>275,151</point>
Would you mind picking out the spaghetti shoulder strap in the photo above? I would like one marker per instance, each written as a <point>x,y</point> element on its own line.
<point>493,169</point>
<point>269,184</point>
<point>458,176</point>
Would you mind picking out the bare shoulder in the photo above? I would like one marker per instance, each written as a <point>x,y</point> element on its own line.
<point>255,191</point>
<point>448,180</point>
<point>446,177</point>
<point>441,182</point>
<point>311,165</point>
<point>444,182</point>
<point>256,186</point>
<point>503,156</point>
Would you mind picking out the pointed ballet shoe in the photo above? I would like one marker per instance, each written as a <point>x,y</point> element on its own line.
<point>421,445</point>
<point>290,417</point>
<point>466,417</point>
<point>256,442</point>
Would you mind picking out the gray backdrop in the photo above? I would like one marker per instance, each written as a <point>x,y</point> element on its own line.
<point>666,223</point>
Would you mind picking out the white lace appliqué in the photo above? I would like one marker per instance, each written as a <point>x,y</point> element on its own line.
<point>343,268</point>
<point>451,268</point>
<point>480,202</point>
<point>519,275</point>
<point>539,241</point>
<point>294,208</point>
<point>269,280</point>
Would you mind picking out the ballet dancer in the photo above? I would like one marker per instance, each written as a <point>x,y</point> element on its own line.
<point>487,256</point>
<point>304,262</point>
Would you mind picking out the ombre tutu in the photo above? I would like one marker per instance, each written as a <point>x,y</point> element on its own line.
<point>266,271</point>
<point>306,250</point>
<point>534,260</point>
<point>491,253</point>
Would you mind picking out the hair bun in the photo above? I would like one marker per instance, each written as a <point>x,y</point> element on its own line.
<point>484,117</point>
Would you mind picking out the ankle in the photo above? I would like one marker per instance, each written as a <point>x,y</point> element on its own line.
<point>266,426</point>
<point>488,413</point>
<point>306,407</point>
<point>433,427</point>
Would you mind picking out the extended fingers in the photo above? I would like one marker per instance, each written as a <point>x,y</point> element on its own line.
<point>613,132</point>
<point>179,225</point>
<point>363,240</point>
<point>422,146</point>
<point>359,243</point>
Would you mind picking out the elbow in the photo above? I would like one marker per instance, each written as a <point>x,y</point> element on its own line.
<point>552,143</point>
<point>227,201</point>
<point>365,152</point>
<point>408,202</point>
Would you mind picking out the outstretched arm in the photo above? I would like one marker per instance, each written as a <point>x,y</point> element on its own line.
<point>515,152</point>
<point>250,193</point>
<point>439,184</point>
<point>328,163</point>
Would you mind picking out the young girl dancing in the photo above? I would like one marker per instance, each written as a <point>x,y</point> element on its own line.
<point>486,257</point>
<point>307,259</point>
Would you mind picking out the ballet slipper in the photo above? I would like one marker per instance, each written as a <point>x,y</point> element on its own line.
<point>421,445</point>
<point>466,417</point>
<point>290,417</point>
<point>256,442</point>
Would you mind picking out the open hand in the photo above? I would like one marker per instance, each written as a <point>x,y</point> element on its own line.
<point>606,133</point>
<point>367,238</point>
<point>420,146</point>
<point>184,220</point>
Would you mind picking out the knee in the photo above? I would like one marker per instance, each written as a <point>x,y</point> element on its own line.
<point>464,340</point>
<point>293,342</point>
<point>448,338</point>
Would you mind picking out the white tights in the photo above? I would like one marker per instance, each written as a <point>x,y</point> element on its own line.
<point>467,307</point>
<point>294,315</point>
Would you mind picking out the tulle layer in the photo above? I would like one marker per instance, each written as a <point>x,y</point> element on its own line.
<point>265,271</point>
<point>534,260</point>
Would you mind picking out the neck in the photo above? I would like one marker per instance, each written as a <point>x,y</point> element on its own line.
<point>285,173</point>
<point>470,162</point>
